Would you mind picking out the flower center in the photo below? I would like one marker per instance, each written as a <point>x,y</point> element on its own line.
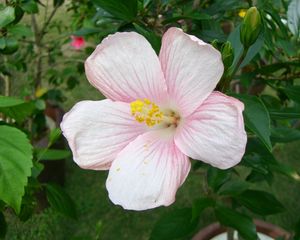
<point>145,111</point>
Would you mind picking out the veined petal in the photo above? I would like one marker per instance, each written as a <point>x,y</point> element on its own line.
<point>124,67</point>
<point>98,130</point>
<point>215,132</point>
<point>147,173</point>
<point>191,67</point>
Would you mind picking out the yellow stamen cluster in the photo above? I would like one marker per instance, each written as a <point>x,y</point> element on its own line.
<point>146,111</point>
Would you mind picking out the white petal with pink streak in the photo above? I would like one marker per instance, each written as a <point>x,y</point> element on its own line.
<point>191,67</point>
<point>147,173</point>
<point>215,132</point>
<point>98,130</point>
<point>124,67</point>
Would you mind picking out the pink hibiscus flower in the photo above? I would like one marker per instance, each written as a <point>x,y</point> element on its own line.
<point>160,111</point>
<point>77,42</point>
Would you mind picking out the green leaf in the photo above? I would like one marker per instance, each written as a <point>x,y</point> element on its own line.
<point>11,45</point>
<point>257,118</point>
<point>15,165</point>
<point>173,225</point>
<point>293,17</point>
<point>19,112</point>
<point>54,136</point>
<point>7,15</point>
<point>30,6</point>
<point>242,223</point>
<point>260,202</point>
<point>60,200</point>
<point>154,40</point>
<point>52,154</point>
<point>285,170</point>
<point>284,134</point>
<point>293,92</point>
<point>194,16</point>
<point>286,113</point>
<point>9,101</point>
<point>125,10</point>
<point>253,50</point>
<point>3,226</point>
<point>199,205</point>
<point>233,187</point>
<point>20,31</point>
<point>217,177</point>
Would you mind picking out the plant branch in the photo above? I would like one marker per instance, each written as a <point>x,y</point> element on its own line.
<point>46,24</point>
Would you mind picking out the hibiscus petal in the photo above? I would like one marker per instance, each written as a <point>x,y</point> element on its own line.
<point>191,67</point>
<point>124,67</point>
<point>215,132</point>
<point>98,130</point>
<point>147,173</point>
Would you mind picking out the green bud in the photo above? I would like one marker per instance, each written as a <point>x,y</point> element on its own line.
<point>227,54</point>
<point>250,27</point>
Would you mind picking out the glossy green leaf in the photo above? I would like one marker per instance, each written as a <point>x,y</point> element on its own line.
<point>30,6</point>
<point>285,170</point>
<point>11,46</point>
<point>15,165</point>
<point>125,10</point>
<point>260,202</point>
<point>194,16</point>
<point>284,134</point>
<point>201,204</point>
<point>19,112</point>
<point>60,200</point>
<point>217,177</point>
<point>256,118</point>
<point>20,31</point>
<point>286,113</point>
<point>52,154</point>
<point>234,38</point>
<point>9,101</point>
<point>7,15</point>
<point>173,225</point>
<point>242,223</point>
<point>233,187</point>
<point>293,92</point>
<point>293,16</point>
<point>54,136</point>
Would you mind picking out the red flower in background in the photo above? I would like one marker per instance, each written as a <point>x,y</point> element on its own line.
<point>77,42</point>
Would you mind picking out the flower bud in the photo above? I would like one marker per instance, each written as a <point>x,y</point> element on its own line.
<point>251,27</point>
<point>227,54</point>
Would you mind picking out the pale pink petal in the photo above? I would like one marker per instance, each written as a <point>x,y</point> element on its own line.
<point>147,173</point>
<point>98,130</point>
<point>215,132</point>
<point>191,67</point>
<point>124,67</point>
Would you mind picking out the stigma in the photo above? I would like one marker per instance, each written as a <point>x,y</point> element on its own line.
<point>145,111</point>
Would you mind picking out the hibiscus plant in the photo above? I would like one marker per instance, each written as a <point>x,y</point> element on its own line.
<point>205,86</point>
